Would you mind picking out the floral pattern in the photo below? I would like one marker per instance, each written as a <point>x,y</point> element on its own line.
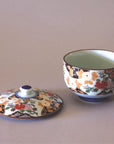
<point>44,104</point>
<point>89,82</point>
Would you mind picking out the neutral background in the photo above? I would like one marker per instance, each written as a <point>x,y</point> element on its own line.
<point>34,37</point>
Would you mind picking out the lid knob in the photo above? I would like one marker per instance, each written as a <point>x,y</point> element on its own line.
<point>26,91</point>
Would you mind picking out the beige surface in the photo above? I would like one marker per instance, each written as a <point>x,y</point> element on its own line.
<point>34,36</point>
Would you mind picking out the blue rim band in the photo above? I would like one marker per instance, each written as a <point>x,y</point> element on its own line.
<point>93,99</point>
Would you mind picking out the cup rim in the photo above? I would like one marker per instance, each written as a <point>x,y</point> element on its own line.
<point>86,50</point>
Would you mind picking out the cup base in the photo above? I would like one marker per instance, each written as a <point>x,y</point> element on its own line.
<point>94,100</point>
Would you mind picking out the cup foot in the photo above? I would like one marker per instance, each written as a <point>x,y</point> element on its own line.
<point>94,100</point>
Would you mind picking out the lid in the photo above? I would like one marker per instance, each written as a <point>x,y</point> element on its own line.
<point>27,103</point>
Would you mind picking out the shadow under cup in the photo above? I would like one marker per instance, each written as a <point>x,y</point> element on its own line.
<point>90,74</point>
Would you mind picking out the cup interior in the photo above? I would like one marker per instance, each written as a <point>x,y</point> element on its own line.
<point>91,59</point>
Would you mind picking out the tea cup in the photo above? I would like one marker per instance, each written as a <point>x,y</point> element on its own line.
<point>90,73</point>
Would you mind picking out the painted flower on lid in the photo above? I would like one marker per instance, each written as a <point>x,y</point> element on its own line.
<point>19,106</point>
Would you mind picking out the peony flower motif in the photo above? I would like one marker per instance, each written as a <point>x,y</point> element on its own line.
<point>19,106</point>
<point>101,85</point>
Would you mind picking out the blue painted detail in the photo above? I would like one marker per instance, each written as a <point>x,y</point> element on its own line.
<point>26,87</point>
<point>36,94</point>
<point>74,73</point>
<point>93,99</point>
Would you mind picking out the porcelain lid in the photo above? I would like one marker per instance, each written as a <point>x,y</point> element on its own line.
<point>26,103</point>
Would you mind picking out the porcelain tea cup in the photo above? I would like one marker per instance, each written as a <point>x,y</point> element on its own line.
<point>90,73</point>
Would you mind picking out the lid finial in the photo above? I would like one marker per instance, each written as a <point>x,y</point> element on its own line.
<point>26,91</point>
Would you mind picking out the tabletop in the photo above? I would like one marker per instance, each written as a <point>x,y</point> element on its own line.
<point>34,37</point>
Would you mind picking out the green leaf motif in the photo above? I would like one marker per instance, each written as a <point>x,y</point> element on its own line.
<point>25,102</point>
<point>91,88</point>
<point>36,113</point>
<point>22,110</point>
<point>7,108</point>
<point>87,91</point>
<point>98,80</point>
<point>33,105</point>
<point>29,111</point>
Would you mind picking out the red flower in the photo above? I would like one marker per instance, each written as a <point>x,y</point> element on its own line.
<point>101,85</point>
<point>19,106</point>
